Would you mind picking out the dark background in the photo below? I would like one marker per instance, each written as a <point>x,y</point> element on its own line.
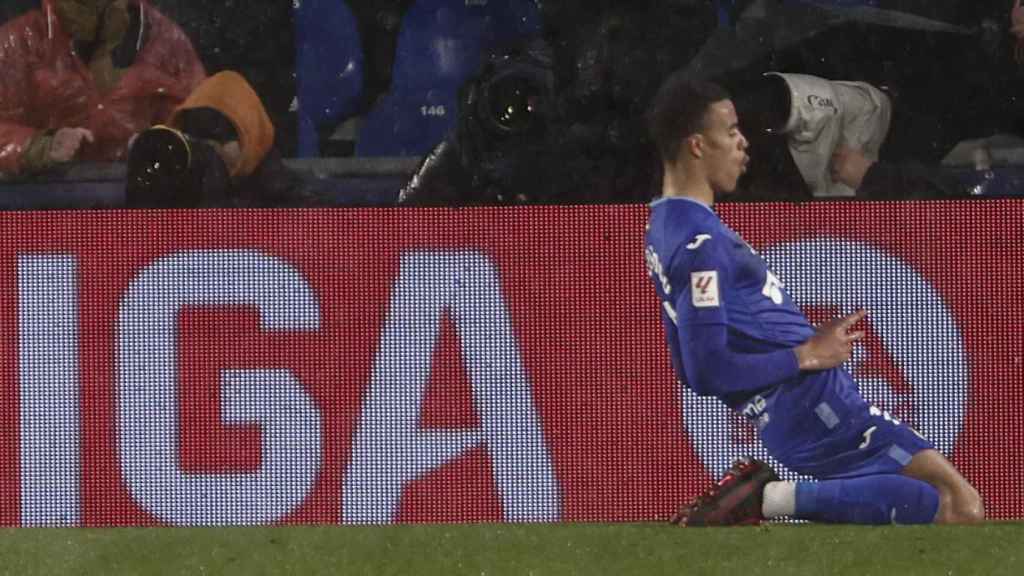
<point>953,87</point>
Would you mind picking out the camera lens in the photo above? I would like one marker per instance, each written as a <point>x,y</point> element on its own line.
<point>514,103</point>
<point>158,159</point>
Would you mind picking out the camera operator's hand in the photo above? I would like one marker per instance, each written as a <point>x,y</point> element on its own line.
<point>849,166</point>
<point>66,144</point>
<point>831,345</point>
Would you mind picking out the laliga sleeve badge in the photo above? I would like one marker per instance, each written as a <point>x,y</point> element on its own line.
<point>704,289</point>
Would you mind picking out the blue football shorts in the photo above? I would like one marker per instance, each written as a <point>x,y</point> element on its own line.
<point>819,425</point>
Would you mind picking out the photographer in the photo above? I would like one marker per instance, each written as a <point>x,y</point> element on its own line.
<point>818,138</point>
<point>559,120</point>
<point>523,139</point>
<point>216,151</point>
<point>501,138</point>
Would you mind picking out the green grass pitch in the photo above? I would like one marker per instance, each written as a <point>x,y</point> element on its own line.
<point>495,549</point>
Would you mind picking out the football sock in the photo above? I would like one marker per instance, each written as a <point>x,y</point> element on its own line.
<point>779,499</point>
<point>880,499</point>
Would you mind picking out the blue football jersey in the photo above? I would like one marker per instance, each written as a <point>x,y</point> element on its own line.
<point>704,273</point>
<point>716,293</point>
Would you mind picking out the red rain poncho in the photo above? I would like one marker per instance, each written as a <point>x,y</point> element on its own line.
<point>44,86</point>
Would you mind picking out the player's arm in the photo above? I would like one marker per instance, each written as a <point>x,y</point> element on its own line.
<point>713,369</point>
<point>701,275</point>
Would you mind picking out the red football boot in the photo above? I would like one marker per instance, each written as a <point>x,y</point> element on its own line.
<point>735,500</point>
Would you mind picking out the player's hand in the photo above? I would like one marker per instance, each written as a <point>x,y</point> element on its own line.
<point>849,166</point>
<point>66,144</point>
<point>832,344</point>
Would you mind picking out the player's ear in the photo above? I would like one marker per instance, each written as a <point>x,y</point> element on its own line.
<point>695,145</point>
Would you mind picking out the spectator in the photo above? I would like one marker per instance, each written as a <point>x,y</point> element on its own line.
<point>82,77</point>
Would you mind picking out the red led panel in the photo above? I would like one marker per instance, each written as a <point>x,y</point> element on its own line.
<point>406,365</point>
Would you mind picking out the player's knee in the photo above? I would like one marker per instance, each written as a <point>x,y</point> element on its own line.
<point>964,508</point>
<point>971,509</point>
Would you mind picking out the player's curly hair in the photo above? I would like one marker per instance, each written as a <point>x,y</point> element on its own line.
<point>678,110</point>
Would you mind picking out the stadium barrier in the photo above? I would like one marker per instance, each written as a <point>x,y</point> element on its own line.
<point>454,365</point>
<point>362,182</point>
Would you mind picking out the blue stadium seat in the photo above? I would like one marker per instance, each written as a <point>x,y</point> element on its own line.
<point>725,10</point>
<point>999,181</point>
<point>328,67</point>
<point>439,46</point>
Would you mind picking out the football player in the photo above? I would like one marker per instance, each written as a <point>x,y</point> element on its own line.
<point>735,334</point>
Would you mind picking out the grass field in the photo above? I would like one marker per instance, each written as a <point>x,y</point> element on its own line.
<point>490,549</point>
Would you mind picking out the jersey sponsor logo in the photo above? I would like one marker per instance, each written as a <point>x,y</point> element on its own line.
<point>755,411</point>
<point>704,289</point>
<point>698,240</point>
<point>755,407</point>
